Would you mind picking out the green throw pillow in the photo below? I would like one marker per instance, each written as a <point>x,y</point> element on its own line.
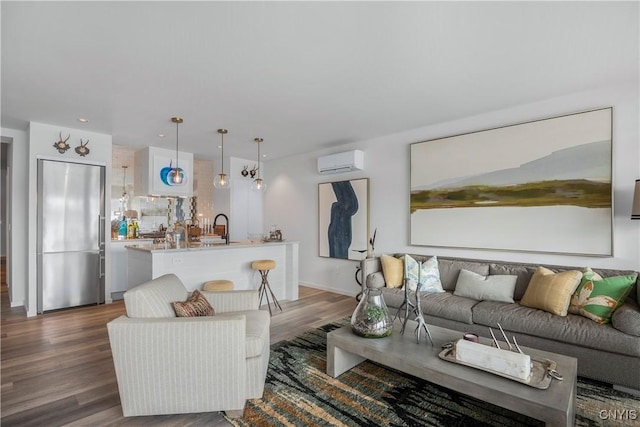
<point>587,275</point>
<point>598,299</point>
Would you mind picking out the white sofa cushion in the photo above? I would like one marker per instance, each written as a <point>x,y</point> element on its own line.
<point>257,329</point>
<point>153,299</point>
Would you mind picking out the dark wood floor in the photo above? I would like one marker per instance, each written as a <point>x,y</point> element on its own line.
<point>57,368</point>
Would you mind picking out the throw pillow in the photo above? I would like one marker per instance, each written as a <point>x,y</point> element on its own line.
<point>426,273</point>
<point>392,269</point>
<point>498,287</point>
<point>598,299</point>
<point>195,305</point>
<point>551,291</point>
<point>587,274</point>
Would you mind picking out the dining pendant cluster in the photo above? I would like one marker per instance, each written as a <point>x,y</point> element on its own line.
<point>222,181</point>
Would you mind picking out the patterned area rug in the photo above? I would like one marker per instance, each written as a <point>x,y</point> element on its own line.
<point>298,392</point>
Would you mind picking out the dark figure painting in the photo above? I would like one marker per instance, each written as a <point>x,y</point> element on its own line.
<point>342,210</point>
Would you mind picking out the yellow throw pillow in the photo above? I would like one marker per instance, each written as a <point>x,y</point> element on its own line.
<point>551,291</point>
<point>393,271</point>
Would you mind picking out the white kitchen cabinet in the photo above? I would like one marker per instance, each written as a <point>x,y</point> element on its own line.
<point>119,280</point>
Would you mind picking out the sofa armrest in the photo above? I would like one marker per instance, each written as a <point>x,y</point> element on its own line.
<point>179,365</point>
<point>227,301</point>
<point>369,266</point>
<point>375,280</point>
<point>627,318</point>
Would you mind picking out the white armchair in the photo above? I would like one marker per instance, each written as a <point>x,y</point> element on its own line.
<point>170,365</point>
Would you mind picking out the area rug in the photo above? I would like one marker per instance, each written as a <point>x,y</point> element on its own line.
<point>298,392</point>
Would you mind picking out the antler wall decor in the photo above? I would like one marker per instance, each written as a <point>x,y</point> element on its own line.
<point>82,149</point>
<point>61,145</point>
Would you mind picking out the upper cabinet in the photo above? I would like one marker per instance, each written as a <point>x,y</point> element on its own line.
<point>154,170</point>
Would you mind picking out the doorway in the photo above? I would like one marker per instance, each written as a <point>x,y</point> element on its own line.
<point>5,213</point>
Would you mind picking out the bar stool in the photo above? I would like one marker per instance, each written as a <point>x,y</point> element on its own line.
<point>218,285</point>
<point>264,266</point>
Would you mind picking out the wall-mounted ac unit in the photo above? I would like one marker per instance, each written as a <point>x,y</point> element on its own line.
<point>341,162</point>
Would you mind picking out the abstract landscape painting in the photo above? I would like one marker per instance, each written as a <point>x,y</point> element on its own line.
<point>541,186</point>
<point>343,219</point>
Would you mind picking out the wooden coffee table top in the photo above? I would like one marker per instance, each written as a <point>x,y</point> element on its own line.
<point>554,405</point>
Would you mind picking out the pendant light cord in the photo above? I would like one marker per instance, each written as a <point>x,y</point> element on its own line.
<point>177,125</point>
<point>222,160</point>
<point>124,180</point>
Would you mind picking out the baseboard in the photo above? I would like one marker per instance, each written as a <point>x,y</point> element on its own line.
<point>627,390</point>
<point>347,292</point>
<point>117,295</point>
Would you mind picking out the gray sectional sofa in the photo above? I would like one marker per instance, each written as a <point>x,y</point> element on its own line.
<point>604,351</point>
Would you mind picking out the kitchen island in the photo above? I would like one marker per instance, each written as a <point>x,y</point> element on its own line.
<point>197,263</point>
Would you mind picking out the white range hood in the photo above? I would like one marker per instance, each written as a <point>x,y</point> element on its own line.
<point>152,165</point>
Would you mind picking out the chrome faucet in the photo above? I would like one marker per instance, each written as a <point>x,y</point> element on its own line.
<point>226,235</point>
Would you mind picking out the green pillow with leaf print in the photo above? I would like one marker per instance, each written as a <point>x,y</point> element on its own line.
<point>597,298</point>
<point>587,275</point>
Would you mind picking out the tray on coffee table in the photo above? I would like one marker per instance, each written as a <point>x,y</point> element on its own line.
<point>539,377</point>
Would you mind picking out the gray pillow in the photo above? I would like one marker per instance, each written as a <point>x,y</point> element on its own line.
<point>489,288</point>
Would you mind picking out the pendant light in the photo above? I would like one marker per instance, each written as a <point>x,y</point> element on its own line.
<point>222,180</point>
<point>176,176</point>
<point>125,197</point>
<point>258,184</point>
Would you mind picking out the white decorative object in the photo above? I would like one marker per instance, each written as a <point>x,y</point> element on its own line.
<point>493,359</point>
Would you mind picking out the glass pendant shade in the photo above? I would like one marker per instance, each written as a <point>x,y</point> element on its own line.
<point>222,180</point>
<point>176,176</point>
<point>258,185</point>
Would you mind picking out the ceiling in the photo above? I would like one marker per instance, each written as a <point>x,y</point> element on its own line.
<point>302,75</point>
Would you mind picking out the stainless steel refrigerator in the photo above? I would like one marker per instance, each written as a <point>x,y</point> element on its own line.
<point>70,251</point>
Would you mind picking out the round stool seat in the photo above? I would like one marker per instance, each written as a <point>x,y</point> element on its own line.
<point>218,285</point>
<point>263,264</point>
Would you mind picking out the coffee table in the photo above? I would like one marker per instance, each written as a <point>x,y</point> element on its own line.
<point>555,405</point>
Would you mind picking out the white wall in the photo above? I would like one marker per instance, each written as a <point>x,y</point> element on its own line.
<point>291,198</point>
<point>243,206</point>
<point>18,200</point>
<point>41,139</point>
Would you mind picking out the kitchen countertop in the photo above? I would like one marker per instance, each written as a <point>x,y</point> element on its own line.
<point>198,246</point>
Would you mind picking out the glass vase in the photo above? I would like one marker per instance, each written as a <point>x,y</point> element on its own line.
<point>371,319</point>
